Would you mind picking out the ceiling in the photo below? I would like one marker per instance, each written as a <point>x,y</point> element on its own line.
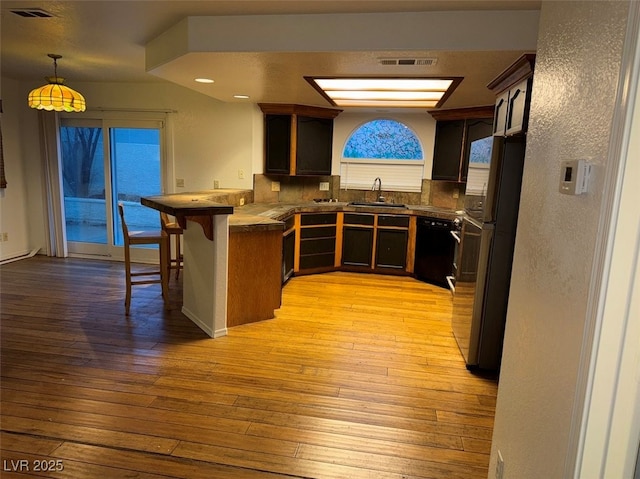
<point>106,41</point>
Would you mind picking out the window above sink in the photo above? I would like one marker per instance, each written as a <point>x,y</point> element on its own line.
<point>385,148</point>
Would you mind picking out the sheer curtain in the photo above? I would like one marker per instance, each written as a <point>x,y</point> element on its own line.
<point>49,123</point>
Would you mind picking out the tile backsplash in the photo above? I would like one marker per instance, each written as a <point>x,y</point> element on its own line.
<point>292,189</point>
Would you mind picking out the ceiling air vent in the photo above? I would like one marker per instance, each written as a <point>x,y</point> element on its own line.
<point>31,12</point>
<point>408,61</point>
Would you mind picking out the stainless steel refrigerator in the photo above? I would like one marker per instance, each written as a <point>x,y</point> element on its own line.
<point>486,255</point>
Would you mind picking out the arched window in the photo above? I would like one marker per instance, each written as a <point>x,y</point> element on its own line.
<point>383,148</point>
<point>383,139</point>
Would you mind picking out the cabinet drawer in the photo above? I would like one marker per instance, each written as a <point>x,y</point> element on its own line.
<point>318,219</point>
<point>317,261</point>
<point>319,232</point>
<point>393,220</point>
<point>358,219</point>
<point>316,246</point>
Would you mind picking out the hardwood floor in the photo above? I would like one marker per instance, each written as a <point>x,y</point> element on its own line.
<point>358,376</point>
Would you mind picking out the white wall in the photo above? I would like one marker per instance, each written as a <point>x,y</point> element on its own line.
<point>611,429</point>
<point>210,140</point>
<point>14,201</point>
<point>550,311</point>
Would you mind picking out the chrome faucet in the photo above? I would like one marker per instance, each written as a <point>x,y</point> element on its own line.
<point>378,182</point>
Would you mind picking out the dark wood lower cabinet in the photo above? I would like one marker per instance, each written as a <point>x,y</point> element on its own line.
<point>391,248</point>
<point>317,241</point>
<point>357,246</point>
<point>369,243</point>
<point>317,252</point>
<point>288,255</point>
<point>313,261</point>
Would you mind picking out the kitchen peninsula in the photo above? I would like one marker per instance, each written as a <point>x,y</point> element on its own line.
<point>236,252</point>
<point>204,217</point>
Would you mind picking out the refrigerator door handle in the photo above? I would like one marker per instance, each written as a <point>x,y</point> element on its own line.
<point>452,285</point>
<point>486,239</point>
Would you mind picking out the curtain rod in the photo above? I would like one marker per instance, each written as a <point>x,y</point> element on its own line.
<point>139,110</point>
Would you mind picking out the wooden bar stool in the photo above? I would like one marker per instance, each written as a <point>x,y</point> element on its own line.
<point>172,228</point>
<point>158,237</point>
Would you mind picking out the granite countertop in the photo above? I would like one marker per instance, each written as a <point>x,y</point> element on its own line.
<point>268,216</point>
<point>271,215</point>
<point>199,203</point>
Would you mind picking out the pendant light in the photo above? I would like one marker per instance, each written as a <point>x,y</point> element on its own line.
<point>55,95</point>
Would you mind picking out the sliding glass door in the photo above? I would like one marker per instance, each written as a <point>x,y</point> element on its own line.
<point>103,163</point>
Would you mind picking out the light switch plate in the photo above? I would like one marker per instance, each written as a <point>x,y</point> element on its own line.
<point>324,186</point>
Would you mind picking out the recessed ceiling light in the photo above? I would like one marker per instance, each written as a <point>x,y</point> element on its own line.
<point>241,97</point>
<point>204,80</point>
<point>386,92</point>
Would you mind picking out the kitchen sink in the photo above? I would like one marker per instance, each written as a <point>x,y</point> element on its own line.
<point>377,204</point>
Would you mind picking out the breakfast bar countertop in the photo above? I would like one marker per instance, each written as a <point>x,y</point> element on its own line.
<point>197,203</point>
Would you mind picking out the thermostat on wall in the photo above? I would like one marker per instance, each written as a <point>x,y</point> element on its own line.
<point>574,179</point>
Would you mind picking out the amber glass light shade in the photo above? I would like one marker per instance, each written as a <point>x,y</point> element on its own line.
<point>56,96</point>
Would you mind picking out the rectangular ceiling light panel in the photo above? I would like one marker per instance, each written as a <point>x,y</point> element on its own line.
<point>384,95</point>
<point>388,103</point>
<point>385,92</point>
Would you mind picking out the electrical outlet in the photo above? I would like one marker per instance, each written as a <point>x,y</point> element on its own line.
<point>216,184</point>
<point>5,236</point>
<point>180,182</point>
<point>241,174</point>
<point>241,201</point>
<point>500,466</point>
<point>275,186</point>
<point>456,193</point>
<point>324,186</point>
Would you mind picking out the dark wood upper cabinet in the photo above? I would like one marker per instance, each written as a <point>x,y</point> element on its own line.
<point>447,153</point>
<point>277,144</point>
<point>455,130</point>
<point>513,97</point>
<point>298,139</point>
<point>314,146</point>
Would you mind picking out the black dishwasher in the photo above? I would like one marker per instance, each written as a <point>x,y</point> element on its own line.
<point>435,249</point>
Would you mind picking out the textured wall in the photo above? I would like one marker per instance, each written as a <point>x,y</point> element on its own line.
<point>577,66</point>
